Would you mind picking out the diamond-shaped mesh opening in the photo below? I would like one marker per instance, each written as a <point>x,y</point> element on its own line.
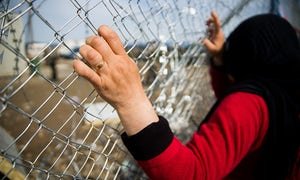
<point>52,122</point>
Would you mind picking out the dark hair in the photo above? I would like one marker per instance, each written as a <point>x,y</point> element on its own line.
<point>263,55</point>
<point>263,45</point>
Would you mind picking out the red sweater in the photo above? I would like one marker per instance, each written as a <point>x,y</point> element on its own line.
<point>225,147</point>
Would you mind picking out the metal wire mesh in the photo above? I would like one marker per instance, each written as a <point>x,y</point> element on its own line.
<point>52,122</point>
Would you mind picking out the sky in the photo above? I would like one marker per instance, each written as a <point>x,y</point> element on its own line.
<point>291,11</point>
<point>62,17</point>
<point>58,12</point>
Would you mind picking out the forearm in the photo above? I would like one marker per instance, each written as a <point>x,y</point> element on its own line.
<point>213,152</point>
<point>161,155</point>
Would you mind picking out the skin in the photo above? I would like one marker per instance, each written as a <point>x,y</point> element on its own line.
<point>116,78</point>
<point>117,81</point>
<point>214,43</point>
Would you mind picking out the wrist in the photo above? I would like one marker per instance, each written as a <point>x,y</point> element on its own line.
<point>217,63</point>
<point>137,114</point>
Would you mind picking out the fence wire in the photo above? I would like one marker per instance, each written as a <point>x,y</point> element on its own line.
<point>52,122</point>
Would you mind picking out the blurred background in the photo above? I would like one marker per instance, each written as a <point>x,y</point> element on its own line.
<point>53,125</point>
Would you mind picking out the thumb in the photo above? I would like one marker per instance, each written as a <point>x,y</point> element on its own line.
<point>211,47</point>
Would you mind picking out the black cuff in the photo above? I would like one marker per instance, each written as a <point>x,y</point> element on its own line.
<point>149,142</point>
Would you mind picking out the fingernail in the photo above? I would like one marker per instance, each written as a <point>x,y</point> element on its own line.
<point>89,39</point>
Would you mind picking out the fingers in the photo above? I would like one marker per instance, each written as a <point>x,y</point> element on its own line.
<point>112,39</point>
<point>92,56</point>
<point>86,72</point>
<point>99,44</point>
<point>216,21</point>
<point>215,40</point>
<point>108,44</point>
<point>211,47</point>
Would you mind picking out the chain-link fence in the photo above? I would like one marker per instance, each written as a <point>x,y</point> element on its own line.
<point>52,122</point>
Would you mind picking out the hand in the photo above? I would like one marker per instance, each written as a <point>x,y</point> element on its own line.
<point>116,78</point>
<point>214,43</point>
<point>114,75</point>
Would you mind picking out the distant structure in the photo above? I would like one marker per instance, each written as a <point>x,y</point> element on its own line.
<point>12,46</point>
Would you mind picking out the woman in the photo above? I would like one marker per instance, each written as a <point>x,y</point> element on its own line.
<point>252,132</point>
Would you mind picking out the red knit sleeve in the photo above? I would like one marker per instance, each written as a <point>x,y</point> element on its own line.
<point>236,128</point>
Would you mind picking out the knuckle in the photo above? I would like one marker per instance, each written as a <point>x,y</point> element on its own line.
<point>92,55</point>
<point>120,66</point>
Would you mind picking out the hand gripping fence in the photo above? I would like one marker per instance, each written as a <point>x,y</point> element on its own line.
<point>53,124</point>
